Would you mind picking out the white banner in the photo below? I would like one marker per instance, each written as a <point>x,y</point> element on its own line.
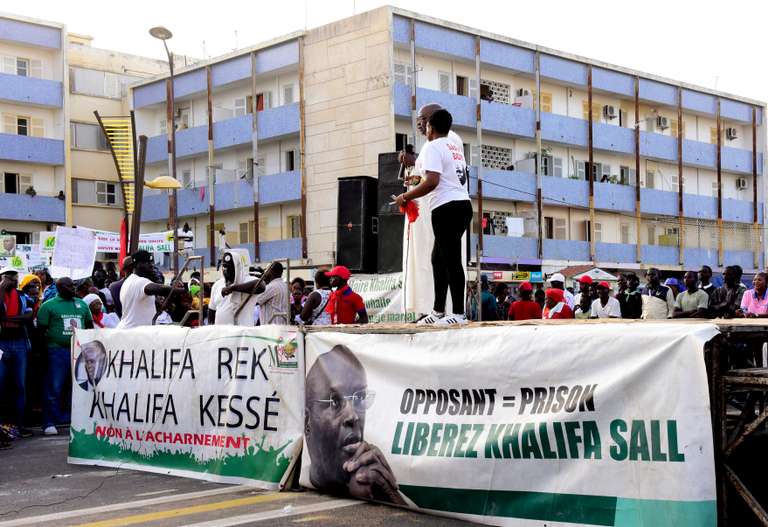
<point>109,242</point>
<point>594,424</point>
<point>220,403</point>
<point>383,297</point>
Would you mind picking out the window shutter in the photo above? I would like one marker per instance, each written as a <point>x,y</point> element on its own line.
<point>267,100</point>
<point>473,88</point>
<point>240,106</point>
<point>546,102</point>
<point>38,128</point>
<point>9,123</point>
<point>598,232</point>
<point>36,68</point>
<point>400,75</point>
<point>560,233</point>
<point>163,127</point>
<point>557,164</point>
<point>624,233</point>
<point>445,81</point>
<point>25,181</point>
<point>713,135</point>
<point>9,65</point>
<point>288,94</point>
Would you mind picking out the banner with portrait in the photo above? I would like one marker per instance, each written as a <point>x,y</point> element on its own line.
<point>220,403</point>
<point>517,425</point>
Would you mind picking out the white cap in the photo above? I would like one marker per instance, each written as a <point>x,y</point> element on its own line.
<point>557,277</point>
<point>8,270</point>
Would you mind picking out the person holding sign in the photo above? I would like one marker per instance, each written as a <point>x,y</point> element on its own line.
<point>57,320</point>
<point>446,177</point>
<point>138,291</point>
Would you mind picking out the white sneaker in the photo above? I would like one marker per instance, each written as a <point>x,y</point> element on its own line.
<point>430,319</point>
<point>452,320</point>
<point>50,431</point>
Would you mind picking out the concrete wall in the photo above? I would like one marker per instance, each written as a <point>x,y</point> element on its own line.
<point>348,115</point>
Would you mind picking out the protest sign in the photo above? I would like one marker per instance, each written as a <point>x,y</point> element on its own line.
<point>7,245</point>
<point>383,297</point>
<point>220,403</point>
<point>595,424</point>
<point>74,253</point>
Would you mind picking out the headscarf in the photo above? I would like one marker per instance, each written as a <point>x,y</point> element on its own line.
<point>29,278</point>
<point>90,299</point>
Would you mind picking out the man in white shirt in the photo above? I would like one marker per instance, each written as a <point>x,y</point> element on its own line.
<point>658,299</point>
<point>138,292</point>
<point>445,183</point>
<point>274,299</point>
<point>605,306</point>
<point>418,237</point>
<point>223,309</point>
<point>557,281</point>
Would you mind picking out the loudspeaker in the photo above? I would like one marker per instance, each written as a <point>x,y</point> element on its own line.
<point>356,237</point>
<point>389,184</point>
<point>391,242</point>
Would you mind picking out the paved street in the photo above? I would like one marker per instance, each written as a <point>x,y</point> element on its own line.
<point>38,487</point>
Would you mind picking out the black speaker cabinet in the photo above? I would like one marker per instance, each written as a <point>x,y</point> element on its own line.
<point>356,235</point>
<point>389,184</point>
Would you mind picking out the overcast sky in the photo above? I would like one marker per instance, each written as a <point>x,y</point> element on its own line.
<point>714,44</point>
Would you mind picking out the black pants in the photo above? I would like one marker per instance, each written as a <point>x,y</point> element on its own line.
<point>449,222</point>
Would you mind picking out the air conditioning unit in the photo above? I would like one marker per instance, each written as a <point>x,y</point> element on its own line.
<point>609,112</point>
<point>522,92</point>
<point>741,183</point>
<point>662,122</point>
<point>731,134</point>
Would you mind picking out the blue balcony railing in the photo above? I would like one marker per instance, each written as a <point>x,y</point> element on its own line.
<point>40,150</point>
<point>21,207</point>
<point>233,195</point>
<point>274,123</point>
<point>29,90</point>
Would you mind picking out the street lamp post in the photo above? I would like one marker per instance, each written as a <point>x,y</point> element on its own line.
<point>164,34</point>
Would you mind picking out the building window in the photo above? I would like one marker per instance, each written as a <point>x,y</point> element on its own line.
<point>242,106</point>
<point>713,135</point>
<point>186,178</point>
<point>627,176</point>
<point>650,177</point>
<point>288,94</point>
<point>403,73</point>
<point>22,125</point>
<point>549,227</point>
<point>651,235</point>
<point>462,86</point>
<point>552,166</point>
<point>106,193</point>
<point>624,233</point>
<point>245,232</point>
<point>99,83</point>
<point>294,226</point>
<point>598,231</point>
<point>22,67</point>
<point>546,102</point>
<point>88,137</point>
<point>16,183</point>
<point>596,111</point>
<point>290,160</point>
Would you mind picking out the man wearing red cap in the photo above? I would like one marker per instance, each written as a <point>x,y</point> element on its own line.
<point>586,287</point>
<point>605,306</point>
<point>345,306</point>
<point>525,308</point>
<point>555,306</point>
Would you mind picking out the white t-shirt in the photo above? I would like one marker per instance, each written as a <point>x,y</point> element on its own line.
<point>611,309</point>
<point>138,307</point>
<point>445,157</point>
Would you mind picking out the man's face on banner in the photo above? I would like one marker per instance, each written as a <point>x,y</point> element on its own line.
<point>336,403</point>
<point>93,357</point>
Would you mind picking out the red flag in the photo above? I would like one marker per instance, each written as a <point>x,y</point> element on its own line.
<point>411,210</point>
<point>123,243</point>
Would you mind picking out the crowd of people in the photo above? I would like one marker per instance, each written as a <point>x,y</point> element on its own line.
<point>38,316</point>
<point>695,297</point>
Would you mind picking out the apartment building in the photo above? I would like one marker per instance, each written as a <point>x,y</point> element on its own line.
<point>54,162</point>
<point>628,169</point>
